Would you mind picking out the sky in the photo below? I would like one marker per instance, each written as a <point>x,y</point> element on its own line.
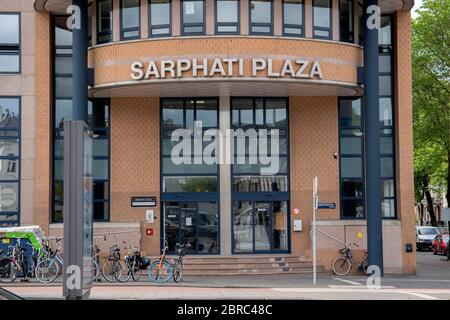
<point>417,4</point>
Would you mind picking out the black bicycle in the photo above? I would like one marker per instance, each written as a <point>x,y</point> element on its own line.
<point>177,267</point>
<point>112,268</point>
<point>135,263</point>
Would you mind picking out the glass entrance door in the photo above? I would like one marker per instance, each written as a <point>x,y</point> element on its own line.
<point>196,223</point>
<point>260,226</point>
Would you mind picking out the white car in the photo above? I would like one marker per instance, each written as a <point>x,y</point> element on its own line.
<point>425,236</point>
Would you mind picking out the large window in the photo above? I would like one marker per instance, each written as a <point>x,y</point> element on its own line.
<point>98,121</point>
<point>192,17</point>
<point>387,148</point>
<point>351,141</point>
<point>322,19</point>
<point>130,18</point>
<point>351,150</point>
<point>260,201</point>
<point>9,161</point>
<point>293,18</point>
<point>261,17</point>
<point>159,18</point>
<point>9,43</point>
<point>346,17</point>
<point>227,16</point>
<point>104,21</point>
<point>190,190</point>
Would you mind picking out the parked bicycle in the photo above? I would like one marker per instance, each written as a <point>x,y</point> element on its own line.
<point>48,269</point>
<point>96,262</point>
<point>343,264</point>
<point>13,263</point>
<point>134,263</point>
<point>112,268</point>
<point>161,270</point>
<point>177,267</point>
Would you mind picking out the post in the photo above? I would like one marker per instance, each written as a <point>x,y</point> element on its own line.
<point>372,134</point>
<point>79,60</point>
<point>315,205</point>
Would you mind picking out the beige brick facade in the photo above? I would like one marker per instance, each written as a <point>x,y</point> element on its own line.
<point>135,129</point>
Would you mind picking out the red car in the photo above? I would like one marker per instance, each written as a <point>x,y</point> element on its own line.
<point>440,244</point>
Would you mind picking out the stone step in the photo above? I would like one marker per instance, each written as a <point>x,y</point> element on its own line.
<point>233,260</point>
<point>261,265</point>
<point>229,272</point>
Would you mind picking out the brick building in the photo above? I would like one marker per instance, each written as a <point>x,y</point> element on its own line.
<point>161,65</point>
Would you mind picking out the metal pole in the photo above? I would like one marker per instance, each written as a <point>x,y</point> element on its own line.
<point>79,60</point>
<point>372,137</point>
<point>315,202</point>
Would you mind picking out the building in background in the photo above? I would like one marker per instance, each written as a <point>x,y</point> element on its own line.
<point>161,65</point>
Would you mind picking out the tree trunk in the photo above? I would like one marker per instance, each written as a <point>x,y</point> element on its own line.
<point>421,209</point>
<point>430,206</point>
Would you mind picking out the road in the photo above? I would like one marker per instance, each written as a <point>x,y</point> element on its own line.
<point>432,282</point>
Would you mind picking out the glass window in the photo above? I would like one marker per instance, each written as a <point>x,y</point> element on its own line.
<point>193,17</point>
<point>104,21</point>
<point>89,24</point>
<point>293,17</point>
<point>130,19</point>
<point>346,21</point>
<point>261,17</point>
<point>9,43</point>
<point>227,15</point>
<point>384,34</point>
<point>9,160</point>
<point>160,21</point>
<point>322,19</point>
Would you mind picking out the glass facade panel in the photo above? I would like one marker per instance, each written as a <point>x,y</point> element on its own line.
<point>227,16</point>
<point>160,20</point>
<point>10,114</point>
<point>130,19</point>
<point>261,16</point>
<point>346,17</point>
<point>9,43</point>
<point>193,16</point>
<point>104,21</point>
<point>322,18</point>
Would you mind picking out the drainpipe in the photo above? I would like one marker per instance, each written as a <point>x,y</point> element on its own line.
<point>372,138</point>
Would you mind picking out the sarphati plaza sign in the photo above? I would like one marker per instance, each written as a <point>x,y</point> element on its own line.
<point>225,67</point>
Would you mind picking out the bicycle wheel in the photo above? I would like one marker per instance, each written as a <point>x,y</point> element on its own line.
<point>8,273</point>
<point>341,266</point>
<point>109,270</point>
<point>125,273</point>
<point>177,273</point>
<point>95,271</point>
<point>136,274</point>
<point>47,270</point>
<point>160,274</point>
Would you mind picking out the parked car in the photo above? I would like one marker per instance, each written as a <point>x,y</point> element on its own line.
<point>425,237</point>
<point>440,243</point>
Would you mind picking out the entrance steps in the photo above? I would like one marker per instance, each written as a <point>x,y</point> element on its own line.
<point>248,265</point>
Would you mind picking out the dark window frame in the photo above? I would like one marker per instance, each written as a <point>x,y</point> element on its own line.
<point>295,26</point>
<point>159,26</point>
<point>56,133</point>
<point>259,24</point>
<point>330,29</point>
<point>13,49</point>
<point>352,35</point>
<point>104,33</point>
<point>125,30</point>
<point>17,158</point>
<point>228,24</point>
<point>183,24</point>
<point>361,156</point>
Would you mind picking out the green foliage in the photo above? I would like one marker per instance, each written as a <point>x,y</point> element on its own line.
<point>431,95</point>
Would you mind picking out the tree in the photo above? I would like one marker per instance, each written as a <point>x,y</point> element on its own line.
<point>431,100</point>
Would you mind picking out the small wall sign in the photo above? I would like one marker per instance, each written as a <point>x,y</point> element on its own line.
<point>326,206</point>
<point>142,202</point>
